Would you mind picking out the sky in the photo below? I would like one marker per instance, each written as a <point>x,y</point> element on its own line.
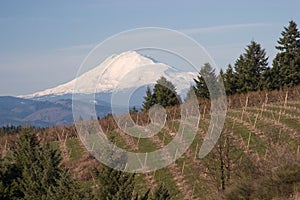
<point>43,43</point>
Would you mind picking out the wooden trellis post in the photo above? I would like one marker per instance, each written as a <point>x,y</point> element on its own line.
<point>5,148</point>
<point>196,151</point>
<point>249,139</point>
<point>182,170</point>
<point>256,118</point>
<point>284,106</point>
<point>245,107</point>
<point>145,161</point>
<point>138,142</point>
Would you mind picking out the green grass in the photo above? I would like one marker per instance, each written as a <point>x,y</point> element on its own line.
<point>115,138</point>
<point>287,111</point>
<point>74,148</point>
<point>256,144</point>
<point>274,135</point>
<point>294,104</point>
<point>161,176</point>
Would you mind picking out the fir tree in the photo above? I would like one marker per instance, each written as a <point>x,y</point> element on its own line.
<point>161,193</point>
<point>206,76</point>
<point>114,184</point>
<point>230,81</point>
<point>148,99</point>
<point>38,166</point>
<point>250,67</point>
<point>286,65</point>
<point>33,172</point>
<point>165,93</point>
<point>143,197</point>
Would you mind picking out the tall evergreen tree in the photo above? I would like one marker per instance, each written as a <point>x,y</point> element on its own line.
<point>164,93</point>
<point>230,81</point>
<point>221,76</point>
<point>270,79</point>
<point>250,68</point>
<point>286,65</point>
<point>33,172</point>
<point>38,166</point>
<point>206,76</point>
<point>148,99</point>
<point>114,184</point>
<point>161,193</point>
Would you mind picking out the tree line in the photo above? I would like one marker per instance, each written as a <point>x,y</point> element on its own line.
<point>250,72</point>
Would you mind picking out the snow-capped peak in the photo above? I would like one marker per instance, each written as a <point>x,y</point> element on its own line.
<point>126,70</point>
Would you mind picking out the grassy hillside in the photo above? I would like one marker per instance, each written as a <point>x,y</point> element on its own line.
<point>257,154</point>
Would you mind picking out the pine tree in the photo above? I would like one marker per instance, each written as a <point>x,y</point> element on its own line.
<point>250,67</point>
<point>143,197</point>
<point>33,172</point>
<point>165,93</point>
<point>148,99</point>
<point>39,167</point>
<point>286,65</point>
<point>270,79</point>
<point>66,188</point>
<point>206,76</point>
<point>230,81</point>
<point>220,83</point>
<point>114,184</point>
<point>8,174</point>
<point>221,76</point>
<point>161,193</point>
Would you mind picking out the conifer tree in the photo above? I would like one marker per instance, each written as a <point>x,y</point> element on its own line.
<point>165,93</point>
<point>148,99</point>
<point>286,65</point>
<point>206,76</point>
<point>250,67</point>
<point>38,166</point>
<point>230,81</point>
<point>144,196</point>
<point>270,79</point>
<point>161,193</point>
<point>114,184</point>
<point>33,172</point>
<point>221,76</point>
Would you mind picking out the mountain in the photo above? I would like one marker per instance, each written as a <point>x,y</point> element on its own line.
<point>119,72</point>
<point>18,111</point>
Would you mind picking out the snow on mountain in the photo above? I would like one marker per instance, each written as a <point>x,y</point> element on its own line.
<point>118,72</point>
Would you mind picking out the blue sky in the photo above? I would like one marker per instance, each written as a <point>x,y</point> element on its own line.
<point>42,43</point>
